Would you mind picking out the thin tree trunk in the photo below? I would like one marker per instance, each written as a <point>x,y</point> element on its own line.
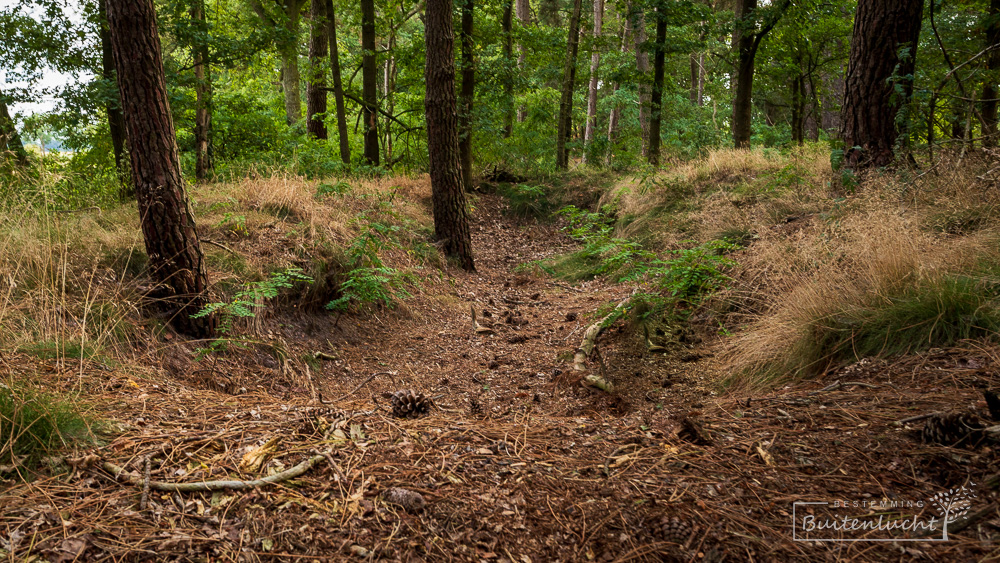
<point>564,126</point>
<point>642,65</point>
<point>338,86</point>
<point>506,25</point>
<point>319,44</point>
<point>466,95</point>
<point>797,87</point>
<point>176,262</point>
<point>595,63</point>
<point>10,140</point>
<point>203,97</point>
<point>116,125</point>
<point>656,105</point>
<point>746,44</point>
<point>988,109</point>
<point>697,78</point>
<point>872,100</point>
<point>369,91</point>
<point>522,9</point>
<point>289,50</point>
<point>616,110</point>
<point>389,88</point>
<point>451,222</point>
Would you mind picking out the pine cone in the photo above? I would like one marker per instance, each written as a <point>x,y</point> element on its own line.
<point>674,530</point>
<point>409,404</point>
<point>953,429</point>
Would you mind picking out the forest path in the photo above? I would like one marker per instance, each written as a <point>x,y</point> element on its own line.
<point>519,462</point>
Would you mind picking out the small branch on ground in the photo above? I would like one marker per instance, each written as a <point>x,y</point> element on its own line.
<point>120,474</point>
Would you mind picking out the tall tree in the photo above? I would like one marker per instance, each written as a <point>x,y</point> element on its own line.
<point>112,106</point>
<point>642,65</point>
<point>451,222</point>
<point>564,125</point>
<point>878,85</point>
<point>751,27</point>
<point>176,262</point>
<point>595,63</point>
<point>656,104</point>
<point>990,91</point>
<point>522,9</point>
<point>369,90</point>
<point>467,94</point>
<point>506,26</point>
<point>203,94</point>
<point>338,85</point>
<point>286,26</point>
<point>316,82</point>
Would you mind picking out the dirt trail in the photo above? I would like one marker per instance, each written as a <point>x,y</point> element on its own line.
<point>519,462</point>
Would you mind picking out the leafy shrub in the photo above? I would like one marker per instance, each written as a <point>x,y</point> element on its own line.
<point>525,200</point>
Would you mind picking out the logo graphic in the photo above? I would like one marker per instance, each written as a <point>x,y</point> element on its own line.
<point>881,520</point>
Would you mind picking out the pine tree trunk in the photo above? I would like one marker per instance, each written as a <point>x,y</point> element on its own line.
<point>990,90</point>
<point>10,140</point>
<point>506,26</point>
<point>564,126</point>
<point>451,221</point>
<point>522,9</point>
<point>369,91</point>
<point>595,63</point>
<point>466,95</point>
<point>116,125</point>
<point>203,98</point>
<point>746,52</point>
<point>338,86</point>
<point>871,102</point>
<point>288,48</point>
<point>319,43</point>
<point>176,262</point>
<point>656,104</point>
<point>642,65</point>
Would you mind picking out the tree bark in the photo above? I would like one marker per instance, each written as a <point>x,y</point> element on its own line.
<point>203,97</point>
<point>451,221</point>
<point>522,9</point>
<point>697,78</point>
<point>10,140</point>
<point>990,90</point>
<point>656,105</point>
<point>564,126</point>
<point>506,26</point>
<point>289,50</point>
<point>797,87</point>
<point>595,63</point>
<point>176,262</point>
<point>338,85</point>
<point>642,65</point>
<point>466,95</point>
<point>116,125</point>
<point>746,44</point>
<point>871,101</point>
<point>319,43</point>
<point>369,93</point>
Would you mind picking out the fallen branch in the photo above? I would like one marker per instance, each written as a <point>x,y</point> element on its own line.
<point>915,418</point>
<point>838,385</point>
<point>120,474</point>
<point>590,338</point>
<point>220,245</point>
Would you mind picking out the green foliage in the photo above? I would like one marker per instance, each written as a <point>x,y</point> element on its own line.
<point>234,223</point>
<point>33,424</point>
<point>370,280</point>
<point>525,200</point>
<point>324,189</point>
<point>245,303</point>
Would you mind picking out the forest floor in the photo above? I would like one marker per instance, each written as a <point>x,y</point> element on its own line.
<point>517,461</point>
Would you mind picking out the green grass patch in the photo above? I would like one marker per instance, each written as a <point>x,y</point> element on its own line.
<point>52,349</point>
<point>34,424</point>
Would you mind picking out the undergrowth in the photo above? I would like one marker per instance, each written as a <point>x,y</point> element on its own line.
<point>34,425</point>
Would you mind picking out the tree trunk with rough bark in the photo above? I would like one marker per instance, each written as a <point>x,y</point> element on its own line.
<point>746,44</point>
<point>451,221</point>
<point>338,85</point>
<point>466,95</point>
<point>319,43</point>
<point>595,63</point>
<point>289,51</point>
<point>990,90</point>
<point>369,91</point>
<point>642,65</point>
<point>798,98</point>
<point>564,126</point>
<point>10,140</point>
<point>203,97</point>
<point>873,98</point>
<point>176,262</point>
<point>116,125</point>
<point>656,104</point>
